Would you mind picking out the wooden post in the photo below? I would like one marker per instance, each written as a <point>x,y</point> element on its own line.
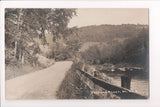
<point>125,82</point>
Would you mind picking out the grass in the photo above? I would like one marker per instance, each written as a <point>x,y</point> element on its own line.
<point>12,71</point>
<point>72,87</point>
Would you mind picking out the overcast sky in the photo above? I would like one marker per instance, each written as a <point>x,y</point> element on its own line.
<point>92,16</point>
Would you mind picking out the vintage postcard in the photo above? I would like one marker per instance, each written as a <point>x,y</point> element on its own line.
<point>76,53</point>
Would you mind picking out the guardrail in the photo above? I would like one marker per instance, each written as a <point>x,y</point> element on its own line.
<point>123,93</point>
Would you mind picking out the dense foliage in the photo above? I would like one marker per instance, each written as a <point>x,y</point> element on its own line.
<point>25,31</point>
<point>121,44</point>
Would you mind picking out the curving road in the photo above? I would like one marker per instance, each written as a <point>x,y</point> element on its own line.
<point>41,84</point>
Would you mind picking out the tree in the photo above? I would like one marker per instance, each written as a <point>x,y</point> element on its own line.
<point>137,48</point>
<point>22,25</point>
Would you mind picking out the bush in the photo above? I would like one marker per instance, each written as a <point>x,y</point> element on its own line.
<point>102,54</point>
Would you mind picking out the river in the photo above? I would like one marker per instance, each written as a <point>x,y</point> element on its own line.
<point>140,86</point>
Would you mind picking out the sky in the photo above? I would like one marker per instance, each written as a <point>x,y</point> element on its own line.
<point>114,16</point>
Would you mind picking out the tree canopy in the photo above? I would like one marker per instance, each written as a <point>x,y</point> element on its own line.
<point>23,25</point>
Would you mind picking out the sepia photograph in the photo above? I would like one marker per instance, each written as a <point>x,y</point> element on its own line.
<point>76,53</point>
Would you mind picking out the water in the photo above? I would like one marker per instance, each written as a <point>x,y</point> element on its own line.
<point>140,86</point>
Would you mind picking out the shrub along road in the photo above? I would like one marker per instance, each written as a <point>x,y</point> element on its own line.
<point>41,84</point>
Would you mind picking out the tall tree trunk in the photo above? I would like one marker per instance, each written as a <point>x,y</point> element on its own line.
<point>15,49</point>
<point>19,35</point>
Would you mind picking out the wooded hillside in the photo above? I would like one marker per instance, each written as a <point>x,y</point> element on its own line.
<point>103,33</point>
<point>126,43</point>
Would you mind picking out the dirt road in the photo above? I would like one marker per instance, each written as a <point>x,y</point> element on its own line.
<point>41,84</point>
